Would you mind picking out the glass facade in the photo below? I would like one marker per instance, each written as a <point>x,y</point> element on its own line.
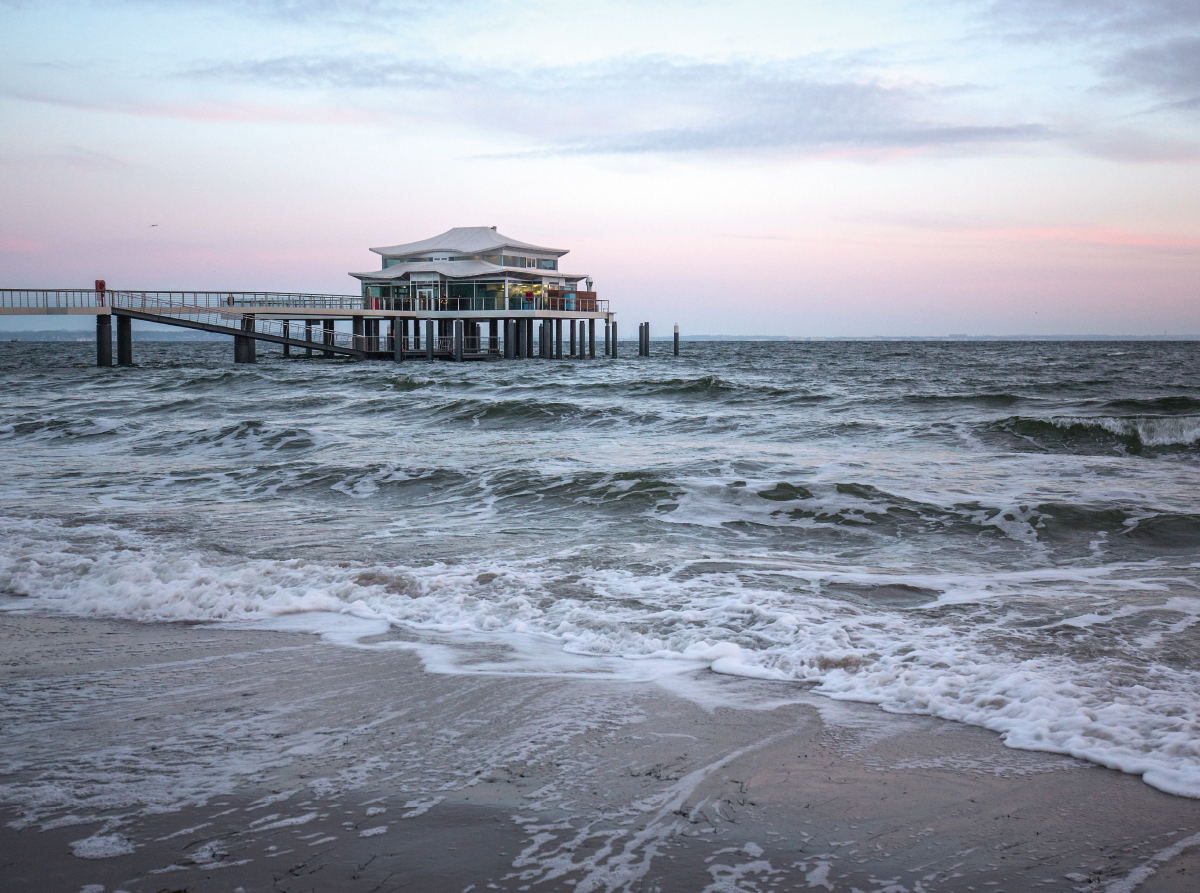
<point>475,295</point>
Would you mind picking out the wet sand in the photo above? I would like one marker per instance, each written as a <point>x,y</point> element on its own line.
<point>169,757</point>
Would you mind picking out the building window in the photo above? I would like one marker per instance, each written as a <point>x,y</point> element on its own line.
<point>544,264</point>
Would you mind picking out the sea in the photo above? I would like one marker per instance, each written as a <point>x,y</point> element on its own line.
<point>1003,534</point>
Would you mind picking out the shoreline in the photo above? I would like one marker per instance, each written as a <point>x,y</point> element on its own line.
<point>181,754</point>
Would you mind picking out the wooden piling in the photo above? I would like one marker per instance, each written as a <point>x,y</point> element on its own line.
<point>104,339</point>
<point>124,341</point>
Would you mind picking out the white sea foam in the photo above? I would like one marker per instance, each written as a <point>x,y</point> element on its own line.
<point>953,658</point>
<point>101,846</point>
<point>1156,431</point>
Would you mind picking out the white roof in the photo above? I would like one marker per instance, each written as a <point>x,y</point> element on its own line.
<point>466,240</point>
<point>464,269</point>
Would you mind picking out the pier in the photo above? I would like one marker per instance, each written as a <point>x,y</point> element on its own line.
<point>304,325</point>
<point>467,294</point>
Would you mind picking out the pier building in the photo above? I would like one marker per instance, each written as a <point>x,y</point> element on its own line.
<point>470,293</point>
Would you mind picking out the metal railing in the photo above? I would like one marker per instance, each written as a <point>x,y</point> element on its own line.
<point>136,300</point>
<point>48,297</point>
<point>149,300</point>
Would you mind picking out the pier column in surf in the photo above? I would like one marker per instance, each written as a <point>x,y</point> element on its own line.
<point>429,340</point>
<point>308,327</point>
<point>613,355</point>
<point>399,335</point>
<point>287,333</point>
<point>327,335</point>
<point>607,338</point>
<point>124,340</point>
<point>458,340</point>
<point>243,345</point>
<point>676,339</point>
<point>358,341</point>
<point>573,340</point>
<point>494,336</point>
<point>528,323</point>
<point>591,339</point>
<point>103,339</point>
<point>558,339</point>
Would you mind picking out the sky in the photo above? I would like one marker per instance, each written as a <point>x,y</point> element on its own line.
<point>987,167</point>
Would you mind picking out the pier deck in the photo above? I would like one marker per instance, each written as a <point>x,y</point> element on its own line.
<point>307,322</point>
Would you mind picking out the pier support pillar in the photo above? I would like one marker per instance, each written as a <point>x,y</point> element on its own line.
<point>607,338</point>
<point>398,338</point>
<point>613,355</point>
<point>308,327</point>
<point>494,336</point>
<point>558,339</point>
<point>124,341</point>
<point>591,339</point>
<point>580,354</point>
<point>287,333</point>
<point>676,339</point>
<point>327,335</point>
<point>458,340</point>
<point>244,345</point>
<point>359,341</point>
<point>103,339</point>
<point>429,340</point>
<point>528,323</point>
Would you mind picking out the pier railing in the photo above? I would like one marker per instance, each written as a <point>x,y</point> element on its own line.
<point>139,300</point>
<point>149,300</point>
<point>34,298</point>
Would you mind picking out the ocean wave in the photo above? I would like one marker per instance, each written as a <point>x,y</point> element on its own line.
<point>1132,433</point>
<point>976,399</point>
<point>923,644</point>
<point>1154,405</point>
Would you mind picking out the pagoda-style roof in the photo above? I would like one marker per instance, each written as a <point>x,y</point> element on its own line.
<point>466,240</point>
<point>464,269</point>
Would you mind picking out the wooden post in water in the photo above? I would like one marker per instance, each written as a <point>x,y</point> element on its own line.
<point>429,340</point>
<point>591,339</point>
<point>458,340</point>
<point>103,339</point>
<point>613,355</point>
<point>327,335</point>
<point>558,339</point>
<point>124,341</point>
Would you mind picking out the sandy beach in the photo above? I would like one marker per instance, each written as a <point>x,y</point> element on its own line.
<point>148,757</point>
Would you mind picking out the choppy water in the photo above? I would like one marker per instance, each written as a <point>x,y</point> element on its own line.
<point>1001,534</point>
